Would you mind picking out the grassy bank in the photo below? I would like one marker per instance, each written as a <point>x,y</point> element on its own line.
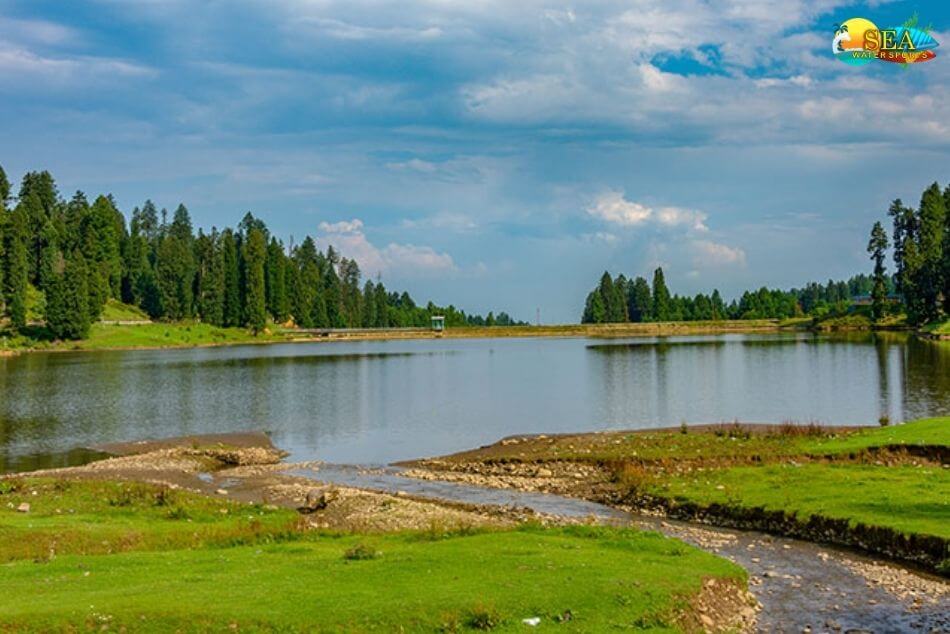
<point>884,489</point>
<point>92,554</point>
<point>124,328</point>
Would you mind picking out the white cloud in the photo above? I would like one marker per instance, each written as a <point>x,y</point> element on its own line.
<point>343,226</point>
<point>676,216</point>
<point>709,253</point>
<point>407,260</point>
<point>614,208</point>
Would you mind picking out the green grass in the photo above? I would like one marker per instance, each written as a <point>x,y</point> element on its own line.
<point>114,310</point>
<point>724,442</point>
<point>74,517</point>
<point>928,431</point>
<point>125,559</point>
<point>162,335</point>
<point>938,327</point>
<point>604,578</point>
<point>907,499</point>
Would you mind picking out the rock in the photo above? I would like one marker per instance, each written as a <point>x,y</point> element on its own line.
<point>534,621</point>
<point>544,473</point>
<point>221,492</point>
<point>706,621</point>
<point>23,508</point>
<point>317,501</point>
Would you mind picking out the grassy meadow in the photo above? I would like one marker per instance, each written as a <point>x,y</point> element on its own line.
<point>134,556</point>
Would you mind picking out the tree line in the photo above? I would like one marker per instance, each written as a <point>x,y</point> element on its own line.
<point>77,255</point>
<point>920,285</point>
<point>920,244</point>
<point>620,300</point>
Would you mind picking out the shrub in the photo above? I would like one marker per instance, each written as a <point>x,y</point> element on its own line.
<point>483,618</point>
<point>361,552</point>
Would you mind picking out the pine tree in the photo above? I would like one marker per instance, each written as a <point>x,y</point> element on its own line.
<point>331,294</point>
<point>369,304</point>
<point>382,306</point>
<point>929,277</point>
<point>276,279</point>
<point>877,247</point>
<point>4,196</point>
<point>639,301</point>
<point>17,274</point>
<point>209,279</point>
<point>232,293</point>
<point>40,201</point>
<point>946,252</point>
<point>718,306</point>
<point>67,312</point>
<point>255,255</point>
<point>661,297</point>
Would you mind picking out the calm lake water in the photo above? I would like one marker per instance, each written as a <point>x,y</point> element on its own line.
<point>377,402</point>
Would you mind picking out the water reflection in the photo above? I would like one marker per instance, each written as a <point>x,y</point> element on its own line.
<point>384,401</point>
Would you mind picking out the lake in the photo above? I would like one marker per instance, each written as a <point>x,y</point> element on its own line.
<point>378,402</point>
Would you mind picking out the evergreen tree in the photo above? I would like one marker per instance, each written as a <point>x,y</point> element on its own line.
<point>640,301</point>
<point>17,273</point>
<point>877,247</point>
<point>382,306</point>
<point>67,313</point>
<point>175,275</point>
<point>40,201</point>
<point>929,275</point>
<point>4,189</point>
<point>369,304</point>
<point>233,310</point>
<point>904,231</point>
<point>946,252</point>
<point>255,255</point>
<point>350,298</point>
<point>661,297</point>
<point>718,306</point>
<point>276,278</point>
<point>209,280</point>
<point>331,293</point>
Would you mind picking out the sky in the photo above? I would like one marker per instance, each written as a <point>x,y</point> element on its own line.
<point>490,154</point>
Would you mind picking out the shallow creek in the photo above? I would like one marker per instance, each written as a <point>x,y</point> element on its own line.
<point>802,587</point>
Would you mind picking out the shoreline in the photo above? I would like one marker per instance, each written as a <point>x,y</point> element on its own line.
<point>565,331</point>
<point>245,468</point>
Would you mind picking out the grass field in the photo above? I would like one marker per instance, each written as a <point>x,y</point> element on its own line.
<point>726,441</point>
<point>122,556</point>
<point>912,500</point>
<point>115,310</point>
<point>804,471</point>
<point>72,517</point>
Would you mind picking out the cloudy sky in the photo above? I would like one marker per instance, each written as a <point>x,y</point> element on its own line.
<point>489,153</point>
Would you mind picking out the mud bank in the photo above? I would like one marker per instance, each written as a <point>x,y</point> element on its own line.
<point>926,551</point>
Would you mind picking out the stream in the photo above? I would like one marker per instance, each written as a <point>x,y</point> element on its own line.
<point>802,587</point>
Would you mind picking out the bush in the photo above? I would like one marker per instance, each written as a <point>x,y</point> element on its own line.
<point>484,618</point>
<point>361,552</point>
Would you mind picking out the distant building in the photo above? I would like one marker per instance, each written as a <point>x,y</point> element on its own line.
<point>438,323</point>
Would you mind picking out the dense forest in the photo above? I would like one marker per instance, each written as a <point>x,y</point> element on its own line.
<point>619,300</point>
<point>920,286</point>
<point>76,256</point>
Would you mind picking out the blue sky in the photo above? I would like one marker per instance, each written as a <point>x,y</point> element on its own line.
<point>491,154</point>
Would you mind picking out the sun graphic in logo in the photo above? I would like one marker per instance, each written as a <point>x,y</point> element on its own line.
<point>848,43</point>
